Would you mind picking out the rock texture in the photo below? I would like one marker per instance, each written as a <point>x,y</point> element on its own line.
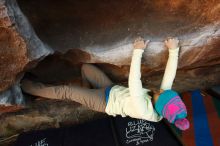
<point>42,114</point>
<point>18,46</point>
<point>101,32</point>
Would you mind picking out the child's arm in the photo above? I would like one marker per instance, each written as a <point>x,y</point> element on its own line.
<point>135,84</point>
<point>171,67</point>
<point>169,104</point>
<point>139,106</point>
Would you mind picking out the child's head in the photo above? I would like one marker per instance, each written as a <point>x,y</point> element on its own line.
<point>169,105</point>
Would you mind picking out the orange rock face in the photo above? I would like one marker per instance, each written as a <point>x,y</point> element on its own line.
<point>18,47</point>
<point>13,59</point>
<point>13,51</point>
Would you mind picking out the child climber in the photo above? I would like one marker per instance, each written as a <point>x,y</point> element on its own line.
<point>133,101</point>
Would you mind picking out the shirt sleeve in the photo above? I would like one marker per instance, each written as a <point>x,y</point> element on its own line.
<point>170,71</point>
<point>135,84</point>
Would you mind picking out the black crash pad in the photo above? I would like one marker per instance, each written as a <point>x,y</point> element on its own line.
<point>103,132</point>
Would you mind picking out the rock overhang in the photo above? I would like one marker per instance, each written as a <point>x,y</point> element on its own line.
<point>102,31</point>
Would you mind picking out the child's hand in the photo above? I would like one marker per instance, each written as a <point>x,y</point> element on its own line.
<point>172,43</point>
<point>139,43</point>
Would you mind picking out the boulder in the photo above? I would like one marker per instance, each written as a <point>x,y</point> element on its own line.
<point>50,39</point>
<point>102,32</point>
<point>19,46</point>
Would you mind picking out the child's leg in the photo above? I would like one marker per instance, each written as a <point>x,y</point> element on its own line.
<point>94,76</point>
<point>92,98</point>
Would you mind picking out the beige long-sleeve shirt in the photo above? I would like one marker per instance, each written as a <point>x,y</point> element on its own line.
<point>135,101</point>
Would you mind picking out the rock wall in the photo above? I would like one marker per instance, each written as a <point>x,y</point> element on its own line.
<point>102,32</point>
<point>42,114</point>
<point>18,47</point>
<point>50,39</point>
